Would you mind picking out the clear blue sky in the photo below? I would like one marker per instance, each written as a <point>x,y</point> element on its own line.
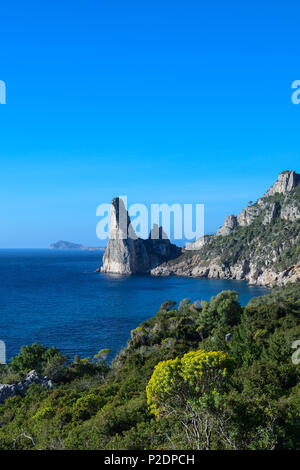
<point>165,101</point>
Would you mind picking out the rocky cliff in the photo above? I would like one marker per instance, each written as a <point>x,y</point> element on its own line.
<point>7,391</point>
<point>128,254</point>
<point>260,245</point>
<point>64,245</point>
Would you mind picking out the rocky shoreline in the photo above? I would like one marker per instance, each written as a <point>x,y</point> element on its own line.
<point>20,388</point>
<point>244,272</point>
<point>128,254</point>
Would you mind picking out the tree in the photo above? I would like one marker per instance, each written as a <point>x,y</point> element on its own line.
<point>190,389</point>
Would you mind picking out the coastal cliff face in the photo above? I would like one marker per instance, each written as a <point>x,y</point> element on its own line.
<point>32,377</point>
<point>271,204</point>
<point>128,254</point>
<point>229,225</point>
<point>260,245</point>
<point>64,245</point>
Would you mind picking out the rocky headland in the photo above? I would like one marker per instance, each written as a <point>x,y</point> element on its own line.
<point>128,254</point>
<point>260,245</point>
<point>64,245</point>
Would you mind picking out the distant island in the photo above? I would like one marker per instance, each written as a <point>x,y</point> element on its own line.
<point>63,245</point>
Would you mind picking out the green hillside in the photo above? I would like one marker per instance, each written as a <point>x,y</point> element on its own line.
<point>237,389</point>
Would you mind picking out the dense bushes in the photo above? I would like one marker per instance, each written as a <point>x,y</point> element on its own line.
<point>35,357</point>
<point>189,391</point>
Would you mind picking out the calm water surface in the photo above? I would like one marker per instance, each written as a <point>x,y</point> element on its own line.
<point>56,298</point>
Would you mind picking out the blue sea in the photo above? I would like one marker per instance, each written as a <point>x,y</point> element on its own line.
<point>55,298</point>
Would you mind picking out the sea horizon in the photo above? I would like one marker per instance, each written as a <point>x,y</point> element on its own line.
<point>55,297</point>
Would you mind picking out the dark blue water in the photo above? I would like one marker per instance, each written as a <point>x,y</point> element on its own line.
<point>56,298</point>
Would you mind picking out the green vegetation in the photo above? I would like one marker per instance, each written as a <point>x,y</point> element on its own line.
<point>258,242</point>
<point>207,375</point>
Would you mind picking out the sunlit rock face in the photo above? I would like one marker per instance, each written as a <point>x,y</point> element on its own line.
<point>128,254</point>
<point>229,225</point>
<point>287,208</point>
<point>259,245</point>
<point>20,388</point>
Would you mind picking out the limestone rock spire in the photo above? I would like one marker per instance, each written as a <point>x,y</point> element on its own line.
<point>128,254</point>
